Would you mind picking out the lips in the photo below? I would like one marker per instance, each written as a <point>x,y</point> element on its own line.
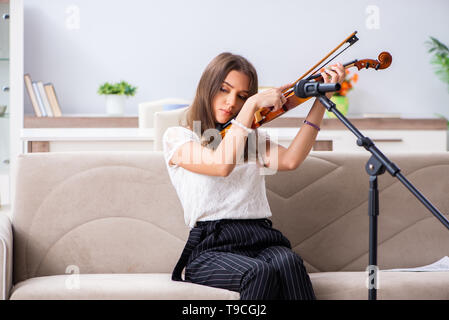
<point>226,112</point>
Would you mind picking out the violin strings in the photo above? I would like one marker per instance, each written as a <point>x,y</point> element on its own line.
<point>290,91</point>
<point>325,64</point>
<point>350,40</point>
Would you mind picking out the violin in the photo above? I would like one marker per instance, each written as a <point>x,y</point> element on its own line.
<point>264,115</point>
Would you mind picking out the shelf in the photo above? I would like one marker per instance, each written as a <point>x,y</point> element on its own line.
<point>92,121</point>
<point>104,121</point>
<point>87,134</point>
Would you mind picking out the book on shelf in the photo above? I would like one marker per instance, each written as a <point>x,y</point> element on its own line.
<point>54,103</point>
<point>32,95</point>
<point>43,98</point>
<point>43,95</point>
<point>39,99</point>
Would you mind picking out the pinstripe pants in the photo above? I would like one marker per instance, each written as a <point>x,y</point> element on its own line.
<point>247,256</point>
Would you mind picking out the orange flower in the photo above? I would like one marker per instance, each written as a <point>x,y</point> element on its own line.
<point>345,85</point>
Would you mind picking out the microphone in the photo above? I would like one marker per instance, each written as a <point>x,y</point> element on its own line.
<point>304,88</point>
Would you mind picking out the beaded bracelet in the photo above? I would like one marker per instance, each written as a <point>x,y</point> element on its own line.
<point>311,124</point>
<point>233,121</point>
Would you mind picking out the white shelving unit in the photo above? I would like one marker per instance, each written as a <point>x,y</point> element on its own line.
<point>4,101</point>
<point>15,106</point>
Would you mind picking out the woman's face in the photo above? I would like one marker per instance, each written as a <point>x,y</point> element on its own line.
<point>231,96</point>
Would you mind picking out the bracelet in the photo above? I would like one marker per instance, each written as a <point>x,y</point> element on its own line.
<point>311,124</point>
<point>233,121</point>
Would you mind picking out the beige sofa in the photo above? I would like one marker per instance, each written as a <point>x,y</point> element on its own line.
<point>109,225</point>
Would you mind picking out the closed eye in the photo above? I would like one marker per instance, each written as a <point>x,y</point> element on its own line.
<point>240,96</point>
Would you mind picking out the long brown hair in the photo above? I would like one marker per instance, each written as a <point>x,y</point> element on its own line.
<point>209,85</point>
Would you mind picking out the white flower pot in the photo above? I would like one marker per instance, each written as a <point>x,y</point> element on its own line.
<point>115,104</point>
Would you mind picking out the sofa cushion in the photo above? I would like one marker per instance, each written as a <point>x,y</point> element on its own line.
<point>391,285</point>
<point>327,286</point>
<point>155,286</point>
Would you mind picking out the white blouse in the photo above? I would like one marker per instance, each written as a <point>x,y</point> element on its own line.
<point>240,195</point>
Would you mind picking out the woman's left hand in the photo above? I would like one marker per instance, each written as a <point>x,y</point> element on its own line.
<point>335,73</point>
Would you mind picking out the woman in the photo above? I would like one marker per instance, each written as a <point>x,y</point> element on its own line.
<point>232,244</point>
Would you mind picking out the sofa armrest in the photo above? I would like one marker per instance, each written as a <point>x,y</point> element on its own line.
<point>5,256</point>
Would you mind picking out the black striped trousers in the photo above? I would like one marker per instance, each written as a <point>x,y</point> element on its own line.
<point>247,256</point>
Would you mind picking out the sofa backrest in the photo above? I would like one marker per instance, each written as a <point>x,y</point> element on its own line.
<point>117,212</point>
<point>95,212</point>
<point>322,207</point>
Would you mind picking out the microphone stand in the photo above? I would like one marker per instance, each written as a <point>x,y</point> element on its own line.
<point>377,164</point>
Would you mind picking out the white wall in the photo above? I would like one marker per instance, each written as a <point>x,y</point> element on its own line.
<point>163,46</point>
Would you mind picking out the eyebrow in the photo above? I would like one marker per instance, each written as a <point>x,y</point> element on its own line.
<point>233,87</point>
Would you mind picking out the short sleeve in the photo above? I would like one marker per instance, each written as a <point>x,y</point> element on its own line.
<point>263,135</point>
<point>173,138</point>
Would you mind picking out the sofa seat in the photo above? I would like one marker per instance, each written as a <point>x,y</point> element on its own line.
<point>391,285</point>
<point>327,286</point>
<point>133,286</point>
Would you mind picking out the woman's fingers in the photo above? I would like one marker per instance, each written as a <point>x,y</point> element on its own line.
<point>285,86</point>
<point>340,71</point>
<point>283,99</point>
<point>273,98</point>
<point>277,101</point>
<point>328,76</point>
<point>331,76</point>
<point>324,76</point>
<point>280,99</point>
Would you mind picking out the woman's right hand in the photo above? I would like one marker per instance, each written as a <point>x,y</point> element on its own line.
<point>269,98</point>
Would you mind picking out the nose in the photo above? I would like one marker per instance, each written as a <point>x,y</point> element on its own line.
<point>231,101</point>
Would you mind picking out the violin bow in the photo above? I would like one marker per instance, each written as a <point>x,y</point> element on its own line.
<point>288,92</point>
<point>350,40</point>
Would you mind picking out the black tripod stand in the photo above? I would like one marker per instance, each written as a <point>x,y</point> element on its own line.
<point>377,164</point>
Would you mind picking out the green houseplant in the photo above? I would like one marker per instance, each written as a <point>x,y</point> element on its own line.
<point>116,94</point>
<point>440,60</point>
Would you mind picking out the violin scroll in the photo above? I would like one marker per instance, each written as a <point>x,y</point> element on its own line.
<point>383,61</point>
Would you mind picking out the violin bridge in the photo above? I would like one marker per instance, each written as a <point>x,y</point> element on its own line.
<point>258,116</point>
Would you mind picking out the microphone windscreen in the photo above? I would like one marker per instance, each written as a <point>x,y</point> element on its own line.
<point>299,89</point>
<point>329,87</point>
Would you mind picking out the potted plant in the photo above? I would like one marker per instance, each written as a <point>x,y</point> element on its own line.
<point>441,60</point>
<point>116,94</point>
<point>339,98</point>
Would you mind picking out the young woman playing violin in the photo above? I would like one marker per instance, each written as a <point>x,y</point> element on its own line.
<point>232,244</point>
